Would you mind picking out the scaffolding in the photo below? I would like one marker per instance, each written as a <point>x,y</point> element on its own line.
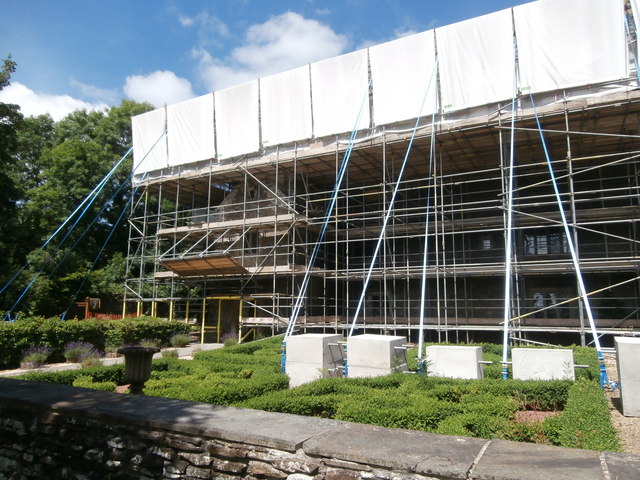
<point>244,230</point>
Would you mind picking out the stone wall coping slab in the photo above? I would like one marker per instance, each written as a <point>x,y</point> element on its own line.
<point>275,430</point>
<point>310,443</point>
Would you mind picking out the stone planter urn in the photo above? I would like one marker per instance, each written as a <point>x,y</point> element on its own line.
<point>137,366</point>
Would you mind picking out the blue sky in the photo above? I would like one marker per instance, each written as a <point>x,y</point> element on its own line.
<point>93,53</point>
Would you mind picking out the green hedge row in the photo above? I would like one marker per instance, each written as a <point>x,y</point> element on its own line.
<point>249,376</point>
<point>16,337</point>
<point>585,422</point>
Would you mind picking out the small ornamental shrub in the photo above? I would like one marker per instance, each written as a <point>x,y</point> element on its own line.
<point>105,335</point>
<point>76,352</point>
<point>472,425</point>
<point>86,381</point>
<point>149,342</point>
<point>170,353</point>
<point>35,357</point>
<point>585,421</point>
<point>229,339</point>
<point>90,362</point>
<point>179,340</point>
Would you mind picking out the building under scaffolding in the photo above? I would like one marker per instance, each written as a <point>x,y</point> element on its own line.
<point>234,187</point>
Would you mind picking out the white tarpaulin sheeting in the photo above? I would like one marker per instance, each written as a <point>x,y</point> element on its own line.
<point>237,127</point>
<point>635,9</point>
<point>570,43</point>
<point>190,136</point>
<point>401,72</point>
<point>476,60</point>
<point>339,86</point>
<point>147,130</point>
<point>285,102</point>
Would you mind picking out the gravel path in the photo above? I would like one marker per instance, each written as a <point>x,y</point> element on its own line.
<point>628,427</point>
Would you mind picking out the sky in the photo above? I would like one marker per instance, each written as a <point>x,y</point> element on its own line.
<point>91,54</point>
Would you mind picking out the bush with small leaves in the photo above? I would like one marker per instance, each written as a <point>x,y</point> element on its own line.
<point>76,352</point>
<point>229,339</point>
<point>172,353</point>
<point>35,357</point>
<point>179,340</point>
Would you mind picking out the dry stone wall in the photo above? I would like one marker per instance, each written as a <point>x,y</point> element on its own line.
<point>53,431</point>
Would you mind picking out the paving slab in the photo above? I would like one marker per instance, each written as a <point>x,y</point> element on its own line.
<point>275,430</point>
<point>442,455</point>
<point>504,460</point>
<point>622,466</point>
<point>183,353</point>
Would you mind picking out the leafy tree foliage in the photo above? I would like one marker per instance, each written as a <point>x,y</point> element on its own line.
<point>46,169</point>
<point>10,122</point>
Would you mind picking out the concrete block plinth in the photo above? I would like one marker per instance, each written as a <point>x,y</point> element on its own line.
<point>375,355</point>
<point>453,361</point>
<point>542,364</point>
<point>312,356</point>
<point>628,357</point>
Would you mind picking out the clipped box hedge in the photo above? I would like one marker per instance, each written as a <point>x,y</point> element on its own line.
<point>249,376</point>
<point>16,337</point>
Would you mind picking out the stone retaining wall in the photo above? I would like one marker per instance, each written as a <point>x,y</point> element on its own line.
<point>53,431</point>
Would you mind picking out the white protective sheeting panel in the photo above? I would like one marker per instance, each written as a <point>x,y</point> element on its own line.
<point>568,43</point>
<point>190,135</point>
<point>476,60</point>
<point>635,9</point>
<point>237,126</point>
<point>149,150</point>
<point>285,103</point>
<point>403,78</point>
<point>340,89</point>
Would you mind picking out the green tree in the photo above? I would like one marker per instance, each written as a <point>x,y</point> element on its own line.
<point>59,164</point>
<point>10,122</point>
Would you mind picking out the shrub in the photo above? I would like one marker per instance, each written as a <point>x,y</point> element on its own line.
<point>35,357</point>
<point>112,373</point>
<point>472,425</point>
<point>90,362</point>
<point>388,409</point>
<point>530,432</point>
<point>86,381</point>
<point>16,336</point>
<point>170,354</point>
<point>229,339</point>
<point>585,422</point>
<point>76,352</point>
<point>324,406</point>
<point>179,340</point>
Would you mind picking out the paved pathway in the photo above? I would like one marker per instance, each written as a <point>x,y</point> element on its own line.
<point>184,353</point>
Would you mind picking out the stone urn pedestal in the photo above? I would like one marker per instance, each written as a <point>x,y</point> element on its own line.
<point>137,366</point>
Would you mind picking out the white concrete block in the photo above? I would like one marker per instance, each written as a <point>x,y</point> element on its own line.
<point>454,361</point>
<point>312,356</point>
<point>628,358</point>
<point>301,373</point>
<point>542,364</point>
<point>375,355</point>
<point>313,348</point>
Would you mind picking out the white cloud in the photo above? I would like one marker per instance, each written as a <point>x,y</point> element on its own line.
<point>37,103</point>
<point>283,42</point>
<point>398,33</point>
<point>158,88</point>
<point>209,27</point>
<point>97,93</point>
<point>186,21</point>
